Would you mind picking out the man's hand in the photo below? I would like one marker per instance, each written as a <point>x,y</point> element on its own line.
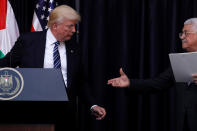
<point>98,112</point>
<point>121,82</point>
<point>195,78</point>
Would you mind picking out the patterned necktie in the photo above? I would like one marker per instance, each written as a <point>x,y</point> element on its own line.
<point>56,56</point>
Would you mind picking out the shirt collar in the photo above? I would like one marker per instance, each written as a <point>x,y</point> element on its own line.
<point>51,37</point>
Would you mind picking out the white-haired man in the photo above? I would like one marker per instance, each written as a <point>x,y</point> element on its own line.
<point>186,104</point>
<point>55,48</point>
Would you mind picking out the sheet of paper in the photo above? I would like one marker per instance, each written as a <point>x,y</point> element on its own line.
<point>183,65</point>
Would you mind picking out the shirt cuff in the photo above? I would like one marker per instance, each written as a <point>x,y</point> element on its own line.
<point>92,107</point>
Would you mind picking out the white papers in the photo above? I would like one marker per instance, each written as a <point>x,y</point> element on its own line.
<point>183,66</point>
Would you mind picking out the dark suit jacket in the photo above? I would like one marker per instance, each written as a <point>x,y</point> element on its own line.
<point>186,96</point>
<point>28,52</point>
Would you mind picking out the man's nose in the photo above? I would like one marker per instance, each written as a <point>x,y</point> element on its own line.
<point>74,30</point>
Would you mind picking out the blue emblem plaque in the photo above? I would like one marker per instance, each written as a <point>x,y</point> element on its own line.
<point>11,83</point>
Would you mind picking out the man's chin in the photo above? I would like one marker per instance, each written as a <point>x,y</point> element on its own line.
<point>187,49</point>
<point>68,37</point>
<point>184,46</point>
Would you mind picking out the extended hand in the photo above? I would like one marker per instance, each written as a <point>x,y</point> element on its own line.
<point>122,81</point>
<point>195,78</point>
<point>98,112</point>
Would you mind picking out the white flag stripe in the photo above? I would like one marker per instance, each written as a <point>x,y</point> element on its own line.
<point>36,24</point>
<point>9,35</point>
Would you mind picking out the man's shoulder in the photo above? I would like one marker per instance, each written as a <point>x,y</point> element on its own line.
<point>31,38</point>
<point>32,34</point>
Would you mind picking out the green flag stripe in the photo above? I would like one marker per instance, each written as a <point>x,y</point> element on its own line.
<point>1,55</point>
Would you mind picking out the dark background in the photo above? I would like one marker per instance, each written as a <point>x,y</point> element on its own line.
<point>137,35</point>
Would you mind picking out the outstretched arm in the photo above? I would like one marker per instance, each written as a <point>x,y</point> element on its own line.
<point>194,78</point>
<point>121,82</point>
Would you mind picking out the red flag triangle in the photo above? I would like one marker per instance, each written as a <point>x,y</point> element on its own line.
<point>3,12</point>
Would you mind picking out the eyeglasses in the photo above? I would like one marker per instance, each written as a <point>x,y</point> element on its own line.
<point>185,33</point>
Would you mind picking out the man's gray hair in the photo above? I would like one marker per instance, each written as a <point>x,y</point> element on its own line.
<point>193,22</point>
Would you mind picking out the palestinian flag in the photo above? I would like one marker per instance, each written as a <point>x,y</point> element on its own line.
<point>8,28</point>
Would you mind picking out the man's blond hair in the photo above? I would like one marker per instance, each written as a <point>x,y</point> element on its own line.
<point>62,13</point>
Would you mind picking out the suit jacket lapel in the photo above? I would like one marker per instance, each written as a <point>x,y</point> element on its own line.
<point>40,50</point>
<point>69,63</point>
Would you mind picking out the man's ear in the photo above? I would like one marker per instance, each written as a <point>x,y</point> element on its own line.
<point>54,26</point>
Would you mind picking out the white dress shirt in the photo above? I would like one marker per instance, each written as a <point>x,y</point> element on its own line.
<point>48,57</point>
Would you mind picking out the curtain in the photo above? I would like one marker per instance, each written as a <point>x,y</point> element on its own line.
<point>137,35</point>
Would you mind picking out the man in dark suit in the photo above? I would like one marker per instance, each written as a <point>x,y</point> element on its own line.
<point>186,93</point>
<point>55,48</point>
